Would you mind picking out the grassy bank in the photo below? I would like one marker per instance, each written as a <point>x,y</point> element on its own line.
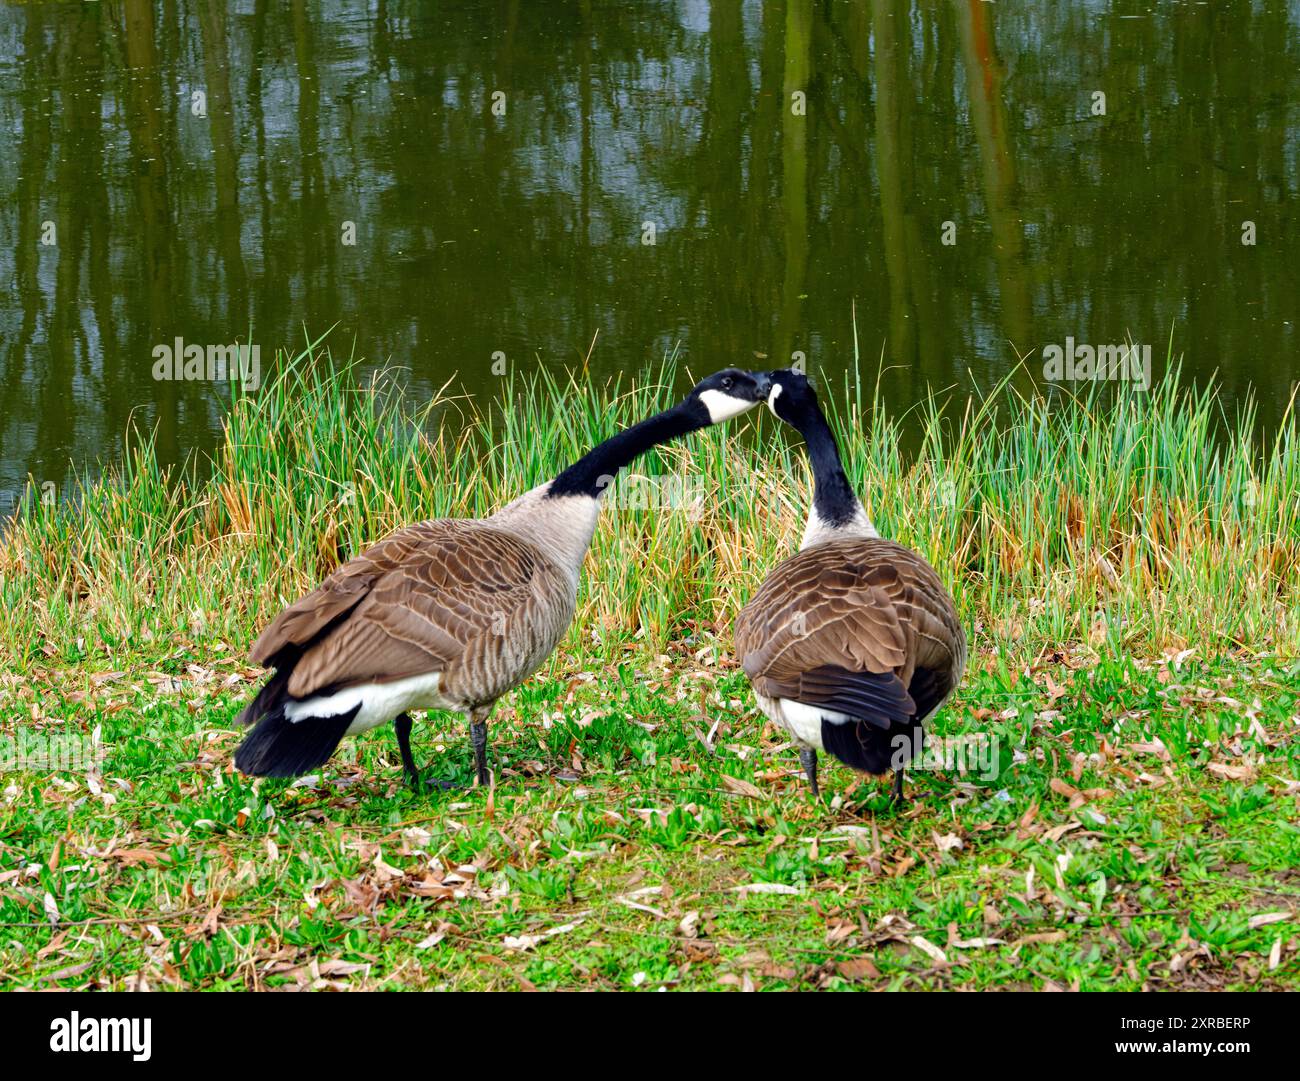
<point>1129,580</point>
<point>1125,525</point>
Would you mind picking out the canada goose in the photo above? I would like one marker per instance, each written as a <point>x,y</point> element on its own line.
<point>447,614</point>
<point>852,644</point>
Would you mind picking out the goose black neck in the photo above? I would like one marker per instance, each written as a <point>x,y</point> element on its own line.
<point>833,497</point>
<point>594,471</point>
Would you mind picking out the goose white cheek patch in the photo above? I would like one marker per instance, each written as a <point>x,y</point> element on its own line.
<point>771,398</point>
<point>723,406</point>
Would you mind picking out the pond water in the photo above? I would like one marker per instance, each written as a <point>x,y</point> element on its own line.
<point>449,183</point>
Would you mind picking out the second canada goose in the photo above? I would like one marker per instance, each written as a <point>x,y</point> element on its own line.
<point>447,614</point>
<point>852,644</point>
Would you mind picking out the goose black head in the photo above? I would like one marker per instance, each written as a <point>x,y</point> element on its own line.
<point>790,395</point>
<point>729,393</point>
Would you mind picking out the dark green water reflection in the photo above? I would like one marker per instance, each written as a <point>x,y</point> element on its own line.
<point>524,233</point>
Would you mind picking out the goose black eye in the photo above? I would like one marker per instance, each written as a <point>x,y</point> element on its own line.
<point>727,382</point>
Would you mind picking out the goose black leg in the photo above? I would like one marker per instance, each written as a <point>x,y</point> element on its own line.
<point>478,738</point>
<point>808,759</point>
<point>402,726</point>
<point>898,787</point>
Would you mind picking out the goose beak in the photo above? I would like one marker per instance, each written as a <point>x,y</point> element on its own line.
<point>764,386</point>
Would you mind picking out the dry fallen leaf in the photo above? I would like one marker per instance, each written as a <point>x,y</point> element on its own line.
<point>741,788</point>
<point>135,855</point>
<point>1041,936</point>
<point>1057,832</point>
<point>67,973</point>
<point>657,913</point>
<point>1230,772</point>
<point>976,943</point>
<point>211,922</point>
<point>527,942</point>
<point>765,887</point>
<point>929,949</point>
<point>340,967</point>
<point>386,870</point>
<point>1026,820</point>
<point>858,968</point>
<point>1155,746</point>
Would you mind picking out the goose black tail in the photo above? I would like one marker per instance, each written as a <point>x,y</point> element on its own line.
<point>279,747</point>
<point>869,748</point>
<point>878,711</point>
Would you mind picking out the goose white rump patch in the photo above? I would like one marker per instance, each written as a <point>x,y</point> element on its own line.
<point>379,702</point>
<point>802,721</point>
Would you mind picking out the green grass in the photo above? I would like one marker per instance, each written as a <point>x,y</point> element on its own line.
<point>633,809</point>
<point>1128,569</point>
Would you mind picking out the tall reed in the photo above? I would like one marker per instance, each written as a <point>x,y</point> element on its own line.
<point>1131,521</point>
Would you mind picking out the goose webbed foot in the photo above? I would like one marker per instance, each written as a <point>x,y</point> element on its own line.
<point>808,759</point>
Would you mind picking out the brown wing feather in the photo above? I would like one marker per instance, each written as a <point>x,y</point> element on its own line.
<point>308,616</point>
<point>411,604</point>
<point>863,605</point>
